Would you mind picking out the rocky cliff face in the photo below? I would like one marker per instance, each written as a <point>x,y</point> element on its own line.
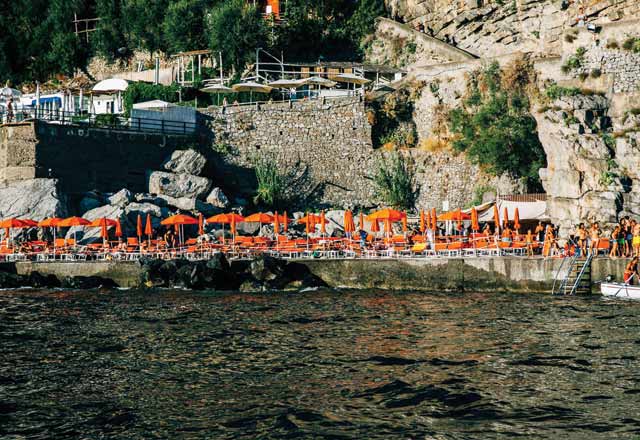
<point>491,28</point>
<point>593,160</point>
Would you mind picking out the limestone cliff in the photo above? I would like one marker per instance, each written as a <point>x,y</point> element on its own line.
<point>489,28</point>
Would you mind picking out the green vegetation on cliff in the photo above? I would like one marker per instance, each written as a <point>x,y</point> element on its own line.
<point>38,37</point>
<point>394,179</point>
<point>494,126</point>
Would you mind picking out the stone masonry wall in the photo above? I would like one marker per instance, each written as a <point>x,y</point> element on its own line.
<point>328,142</point>
<point>17,155</point>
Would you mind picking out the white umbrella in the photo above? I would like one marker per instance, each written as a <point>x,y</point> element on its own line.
<point>287,83</point>
<point>351,78</point>
<point>8,92</point>
<point>251,87</point>
<point>217,89</point>
<point>319,81</point>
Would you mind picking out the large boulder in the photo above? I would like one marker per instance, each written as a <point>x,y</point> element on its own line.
<point>88,235</point>
<point>178,185</point>
<point>189,204</point>
<point>90,201</point>
<point>185,161</point>
<point>121,198</point>
<point>36,199</point>
<point>217,198</point>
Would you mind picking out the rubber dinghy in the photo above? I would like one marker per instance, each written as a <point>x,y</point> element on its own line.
<point>620,290</point>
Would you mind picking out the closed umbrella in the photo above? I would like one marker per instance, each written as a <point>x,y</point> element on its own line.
<point>422,222</point>
<point>434,221</point>
<point>323,224</point>
<point>200,224</point>
<point>104,234</point>
<point>387,227</point>
<point>375,226</point>
<point>276,224</point>
<point>349,226</point>
<point>361,224</point>
<point>474,220</point>
<point>496,218</point>
<point>516,219</point>
<point>148,229</point>
<point>118,229</point>
<point>285,222</point>
<point>139,228</point>
<point>404,224</point>
<point>505,218</point>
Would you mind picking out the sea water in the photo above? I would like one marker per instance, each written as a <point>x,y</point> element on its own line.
<point>321,364</point>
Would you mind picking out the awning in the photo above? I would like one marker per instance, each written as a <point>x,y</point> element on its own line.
<point>533,211</point>
<point>156,103</point>
<point>51,99</point>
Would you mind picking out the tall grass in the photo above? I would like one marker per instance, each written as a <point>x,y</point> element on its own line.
<point>272,184</point>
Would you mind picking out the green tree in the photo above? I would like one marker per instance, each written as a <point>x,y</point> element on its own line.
<point>394,180</point>
<point>236,30</point>
<point>495,129</point>
<point>109,37</point>
<point>143,23</point>
<point>362,22</point>
<point>184,25</point>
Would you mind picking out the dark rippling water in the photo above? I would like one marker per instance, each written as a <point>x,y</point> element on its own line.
<point>173,365</point>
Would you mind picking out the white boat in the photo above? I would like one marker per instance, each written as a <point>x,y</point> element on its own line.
<point>620,290</point>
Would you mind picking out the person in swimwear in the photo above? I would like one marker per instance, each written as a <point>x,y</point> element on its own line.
<point>631,271</point>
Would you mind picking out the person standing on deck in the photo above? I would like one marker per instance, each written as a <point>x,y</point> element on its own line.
<point>595,237</point>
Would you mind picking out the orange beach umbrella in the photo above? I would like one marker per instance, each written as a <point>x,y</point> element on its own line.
<point>98,223</point>
<point>387,214</point>
<point>434,219</point>
<point>422,221</point>
<point>226,218</point>
<point>361,224</point>
<point>457,215</point>
<point>73,221</point>
<point>15,223</point>
<point>179,219</point>
<point>118,228</point>
<point>104,234</point>
<point>505,217</point>
<point>285,222</point>
<point>49,222</point>
<point>496,217</point>
<point>404,224</point>
<point>200,224</point>
<point>276,224</point>
<point>375,226</point>
<point>259,217</point>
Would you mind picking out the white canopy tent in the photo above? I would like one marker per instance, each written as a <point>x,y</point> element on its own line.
<point>532,211</point>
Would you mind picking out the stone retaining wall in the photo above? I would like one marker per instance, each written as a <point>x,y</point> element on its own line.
<point>325,143</point>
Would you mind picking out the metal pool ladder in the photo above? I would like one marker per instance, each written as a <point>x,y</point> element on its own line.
<point>577,279</point>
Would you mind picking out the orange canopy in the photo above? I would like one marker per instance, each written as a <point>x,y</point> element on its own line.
<point>74,221</point>
<point>49,222</point>
<point>12,223</point>
<point>454,216</point>
<point>179,219</point>
<point>387,214</point>
<point>98,223</point>
<point>259,217</point>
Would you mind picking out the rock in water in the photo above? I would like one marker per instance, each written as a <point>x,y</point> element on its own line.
<point>36,199</point>
<point>217,198</point>
<point>185,161</point>
<point>178,185</point>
